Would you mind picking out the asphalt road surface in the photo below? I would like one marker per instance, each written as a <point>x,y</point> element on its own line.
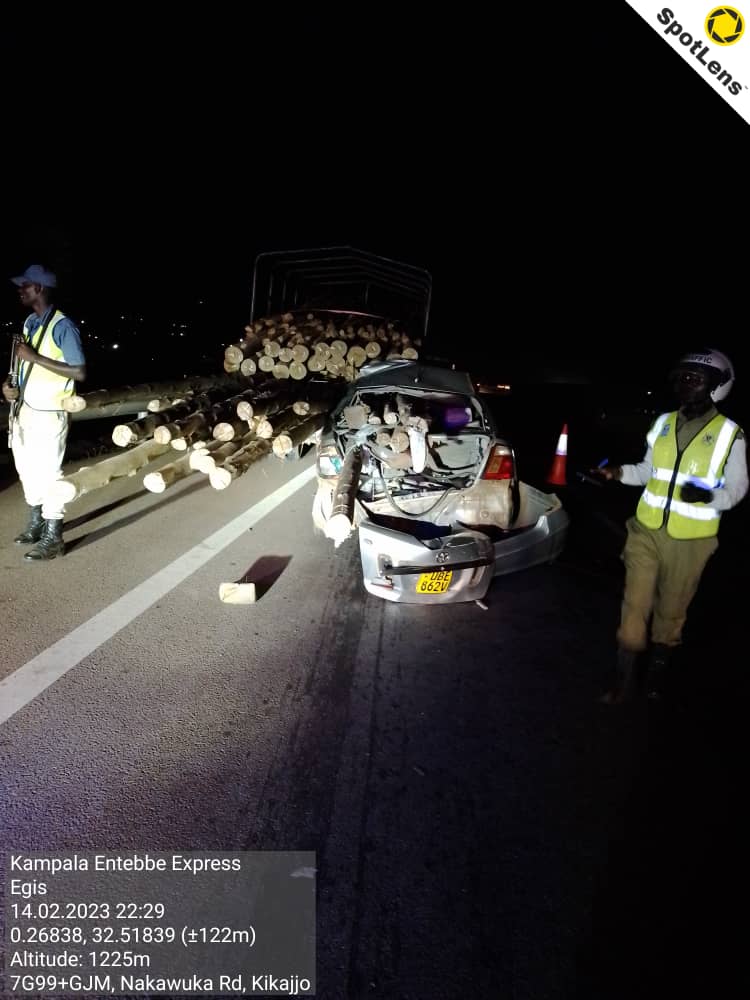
<point>483,827</point>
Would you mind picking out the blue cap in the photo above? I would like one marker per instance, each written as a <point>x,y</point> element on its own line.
<point>36,275</point>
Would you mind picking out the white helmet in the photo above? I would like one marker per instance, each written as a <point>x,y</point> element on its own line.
<point>720,365</point>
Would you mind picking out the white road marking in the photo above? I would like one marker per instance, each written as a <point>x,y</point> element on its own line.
<point>24,684</point>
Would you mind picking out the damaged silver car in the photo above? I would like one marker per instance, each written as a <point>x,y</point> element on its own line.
<point>411,460</point>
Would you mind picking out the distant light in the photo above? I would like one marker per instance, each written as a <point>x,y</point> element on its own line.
<point>648,392</point>
<point>115,346</point>
<point>122,317</point>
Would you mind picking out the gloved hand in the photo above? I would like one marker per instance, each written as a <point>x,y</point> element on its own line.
<point>691,493</point>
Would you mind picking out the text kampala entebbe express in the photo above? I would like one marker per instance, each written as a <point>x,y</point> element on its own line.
<point>130,863</point>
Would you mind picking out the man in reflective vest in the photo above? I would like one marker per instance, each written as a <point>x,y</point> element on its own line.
<point>695,468</point>
<point>50,360</point>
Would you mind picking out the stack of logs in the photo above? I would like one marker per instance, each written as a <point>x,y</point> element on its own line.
<point>278,385</point>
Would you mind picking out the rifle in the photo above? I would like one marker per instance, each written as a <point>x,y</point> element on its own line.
<point>13,383</point>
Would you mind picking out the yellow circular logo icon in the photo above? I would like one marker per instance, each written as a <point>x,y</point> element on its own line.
<point>725,25</point>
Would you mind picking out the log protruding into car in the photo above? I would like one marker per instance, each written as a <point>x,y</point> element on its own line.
<point>341,522</point>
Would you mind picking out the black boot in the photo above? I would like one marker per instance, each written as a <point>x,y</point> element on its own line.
<point>50,544</point>
<point>658,665</point>
<point>33,530</point>
<point>625,686</point>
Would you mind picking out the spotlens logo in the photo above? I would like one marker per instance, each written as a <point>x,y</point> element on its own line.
<point>725,25</point>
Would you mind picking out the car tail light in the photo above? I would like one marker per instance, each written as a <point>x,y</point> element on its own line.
<point>499,464</point>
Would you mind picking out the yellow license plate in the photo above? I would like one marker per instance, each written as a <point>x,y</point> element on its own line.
<point>434,583</point>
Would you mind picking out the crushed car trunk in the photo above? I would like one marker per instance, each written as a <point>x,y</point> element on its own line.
<point>411,458</point>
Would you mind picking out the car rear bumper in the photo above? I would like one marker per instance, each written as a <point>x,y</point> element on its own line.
<point>541,543</point>
<point>392,561</point>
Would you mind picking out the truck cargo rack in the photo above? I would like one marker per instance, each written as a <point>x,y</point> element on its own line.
<point>342,280</point>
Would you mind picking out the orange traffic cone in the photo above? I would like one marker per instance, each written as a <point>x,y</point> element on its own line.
<point>557,476</point>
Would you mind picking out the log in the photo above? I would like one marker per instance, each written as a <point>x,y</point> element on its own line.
<point>93,477</point>
<point>237,353</point>
<point>157,405</point>
<point>235,466</point>
<point>390,414</point>
<point>237,593</point>
<point>147,390</point>
<point>340,524</point>
<point>157,482</point>
<point>206,461</point>
<point>176,418</point>
<point>399,440</point>
<point>137,430</point>
<point>201,422</point>
<point>192,427</point>
<point>356,356</point>
<point>404,409</point>
<point>267,429</point>
<point>288,440</point>
<point>228,430</point>
<point>127,408</point>
<point>206,448</point>
<point>75,403</point>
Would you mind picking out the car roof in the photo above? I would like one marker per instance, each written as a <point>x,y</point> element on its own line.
<point>400,373</point>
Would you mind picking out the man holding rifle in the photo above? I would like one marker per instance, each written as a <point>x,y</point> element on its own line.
<point>48,359</point>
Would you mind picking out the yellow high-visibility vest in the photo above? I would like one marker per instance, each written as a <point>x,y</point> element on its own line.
<point>701,463</point>
<point>43,389</point>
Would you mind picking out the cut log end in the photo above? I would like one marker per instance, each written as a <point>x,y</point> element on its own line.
<point>220,479</point>
<point>338,529</point>
<point>282,445</point>
<point>162,435</point>
<point>74,404</point>
<point>237,593</point>
<point>123,435</point>
<point>223,432</point>
<point>154,482</point>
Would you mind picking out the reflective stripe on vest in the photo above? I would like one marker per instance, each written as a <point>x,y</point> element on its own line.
<point>701,463</point>
<point>43,389</point>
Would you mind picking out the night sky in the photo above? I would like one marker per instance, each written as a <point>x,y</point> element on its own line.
<point>561,182</point>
